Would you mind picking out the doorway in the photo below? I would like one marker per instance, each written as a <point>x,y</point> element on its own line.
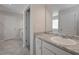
<point>27,29</point>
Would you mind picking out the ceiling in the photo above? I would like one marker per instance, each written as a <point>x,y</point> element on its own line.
<point>17,8</point>
<point>58,7</point>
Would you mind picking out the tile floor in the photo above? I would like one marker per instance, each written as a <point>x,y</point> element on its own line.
<point>13,47</point>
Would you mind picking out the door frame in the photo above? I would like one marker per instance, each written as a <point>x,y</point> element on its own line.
<point>24,27</point>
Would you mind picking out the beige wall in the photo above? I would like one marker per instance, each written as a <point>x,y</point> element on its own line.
<point>41,18</point>
<point>38,17</point>
<point>9,25</point>
<point>39,22</point>
<point>48,20</point>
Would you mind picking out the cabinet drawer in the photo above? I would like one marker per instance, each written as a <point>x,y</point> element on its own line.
<point>54,49</point>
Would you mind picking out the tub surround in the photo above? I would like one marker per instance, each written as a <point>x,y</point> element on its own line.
<point>73,48</point>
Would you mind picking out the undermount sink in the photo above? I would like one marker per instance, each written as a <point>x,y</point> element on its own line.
<point>63,41</point>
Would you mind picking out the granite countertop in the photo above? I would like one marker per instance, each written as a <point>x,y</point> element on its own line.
<point>73,49</point>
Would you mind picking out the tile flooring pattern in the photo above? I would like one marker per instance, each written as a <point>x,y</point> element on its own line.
<point>13,47</point>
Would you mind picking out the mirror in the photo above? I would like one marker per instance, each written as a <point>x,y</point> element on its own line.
<point>64,18</point>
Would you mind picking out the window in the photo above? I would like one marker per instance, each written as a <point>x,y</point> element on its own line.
<point>55,22</point>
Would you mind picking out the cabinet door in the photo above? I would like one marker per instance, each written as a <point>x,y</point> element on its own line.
<point>46,51</point>
<point>38,46</point>
<point>53,49</point>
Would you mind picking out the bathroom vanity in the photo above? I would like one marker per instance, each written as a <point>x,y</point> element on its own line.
<point>44,48</point>
<point>65,22</point>
<point>45,45</point>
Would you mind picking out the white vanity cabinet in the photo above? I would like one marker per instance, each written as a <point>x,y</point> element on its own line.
<point>38,46</point>
<point>46,51</point>
<point>44,48</point>
<point>40,49</point>
<point>54,50</point>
